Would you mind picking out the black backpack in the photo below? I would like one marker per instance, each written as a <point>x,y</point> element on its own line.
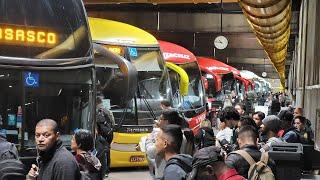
<point>90,176</point>
<point>185,167</point>
<point>12,169</point>
<point>7,150</point>
<point>206,138</point>
<point>104,124</point>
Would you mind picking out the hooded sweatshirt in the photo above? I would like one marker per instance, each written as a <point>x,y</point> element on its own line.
<point>178,167</point>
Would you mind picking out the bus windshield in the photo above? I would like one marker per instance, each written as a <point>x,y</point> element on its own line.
<point>153,84</point>
<point>65,96</point>
<point>195,97</point>
<point>152,78</point>
<point>43,29</point>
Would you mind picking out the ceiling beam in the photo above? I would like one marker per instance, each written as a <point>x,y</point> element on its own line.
<point>227,8</point>
<point>259,61</point>
<point>242,53</point>
<point>156,1</point>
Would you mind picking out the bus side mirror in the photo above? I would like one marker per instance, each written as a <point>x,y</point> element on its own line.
<point>123,77</point>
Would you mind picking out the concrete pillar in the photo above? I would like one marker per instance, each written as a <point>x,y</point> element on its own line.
<point>308,59</point>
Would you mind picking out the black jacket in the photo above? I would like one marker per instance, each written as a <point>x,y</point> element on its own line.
<point>58,164</point>
<point>204,138</point>
<point>275,107</point>
<point>241,165</point>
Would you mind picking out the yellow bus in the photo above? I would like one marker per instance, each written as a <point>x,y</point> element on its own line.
<point>136,118</point>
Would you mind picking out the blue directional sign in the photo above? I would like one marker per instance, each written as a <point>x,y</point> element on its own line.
<point>31,79</point>
<point>133,52</point>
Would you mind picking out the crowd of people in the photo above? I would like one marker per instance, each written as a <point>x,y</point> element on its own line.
<point>88,159</point>
<point>239,147</point>
<point>239,150</point>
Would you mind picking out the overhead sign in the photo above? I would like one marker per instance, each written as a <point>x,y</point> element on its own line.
<point>21,35</point>
<point>168,55</point>
<point>31,79</point>
<point>175,53</point>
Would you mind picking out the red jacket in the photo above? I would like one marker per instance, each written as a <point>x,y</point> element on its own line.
<point>231,174</point>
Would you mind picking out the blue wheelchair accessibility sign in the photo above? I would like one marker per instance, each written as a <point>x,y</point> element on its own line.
<point>133,52</point>
<point>31,79</point>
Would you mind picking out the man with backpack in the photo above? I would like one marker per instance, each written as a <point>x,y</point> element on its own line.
<point>168,143</point>
<point>208,163</point>
<point>249,155</point>
<point>105,125</point>
<point>157,159</point>
<point>105,120</point>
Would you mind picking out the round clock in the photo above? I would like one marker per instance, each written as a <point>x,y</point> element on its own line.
<point>264,74</point>
<point>220,42</point>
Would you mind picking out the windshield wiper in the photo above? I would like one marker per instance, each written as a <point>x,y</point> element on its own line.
<point>124,113</point>
<point>145,90</point>
<point>141,84</point>
<point>149,107</point>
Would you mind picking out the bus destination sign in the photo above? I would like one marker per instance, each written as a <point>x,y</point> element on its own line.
<point>22,35</point>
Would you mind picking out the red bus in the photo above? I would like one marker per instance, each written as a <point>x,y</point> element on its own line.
<point>223,81</point>
<point>190,100</point>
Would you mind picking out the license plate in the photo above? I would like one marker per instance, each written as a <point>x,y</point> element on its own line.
<point>136,158</point>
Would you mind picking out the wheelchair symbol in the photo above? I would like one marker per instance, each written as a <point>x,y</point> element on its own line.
<point>133,52</point>
<point>30,80</point>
